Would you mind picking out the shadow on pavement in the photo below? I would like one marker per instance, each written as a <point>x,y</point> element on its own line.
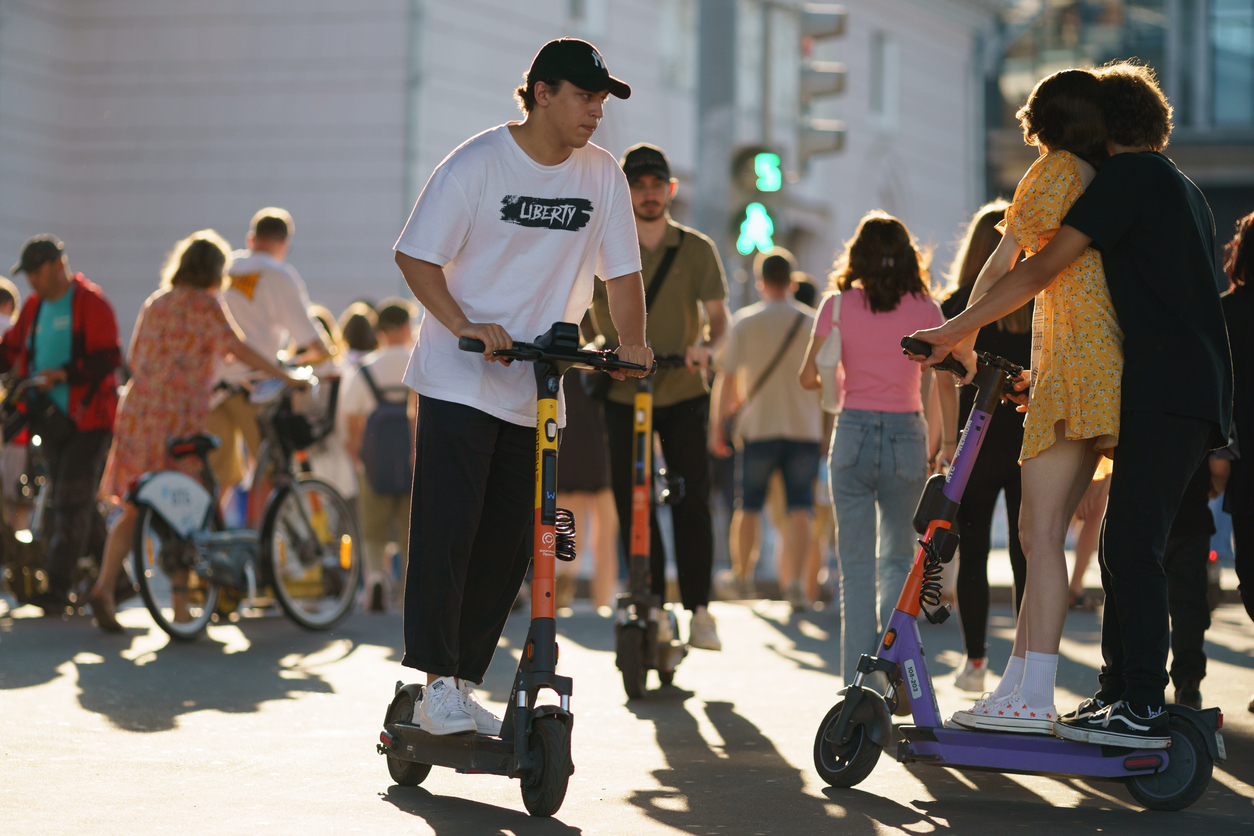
<point>452,816</point>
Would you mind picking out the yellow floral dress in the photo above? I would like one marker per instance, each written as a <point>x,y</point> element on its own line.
<point>1077,345</point>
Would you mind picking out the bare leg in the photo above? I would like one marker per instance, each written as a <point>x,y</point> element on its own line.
<point>604,548</point>
<point>820,536</point>
<point>1054,482</point>
<point>744,544</point>
<point>1091,511</point>
<point>796,536</point>
<point>117,546</point>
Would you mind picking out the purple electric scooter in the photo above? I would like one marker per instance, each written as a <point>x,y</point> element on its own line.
<point>858,726</point>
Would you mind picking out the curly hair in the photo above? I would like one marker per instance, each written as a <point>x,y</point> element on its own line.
<point>882,255</point>
<point>1136,111</point>
<point>199,261</point>
<point>1064,113</point>
<point>1239,254</point>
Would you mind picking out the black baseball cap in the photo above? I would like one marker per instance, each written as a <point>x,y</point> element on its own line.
<point>642,159</point>
<point>37,252</point>
<point>576,61</point>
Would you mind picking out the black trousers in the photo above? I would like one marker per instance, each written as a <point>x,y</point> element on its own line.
<point>1243,554</point>
<point>1157,455</point>
<point>470,520</point>
<point>996,470</point>
<point>75,466</point>
<point>1185,564</point>
<point>682,428</point>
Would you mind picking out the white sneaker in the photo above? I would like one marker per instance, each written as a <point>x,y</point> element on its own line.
<point>972,676</point>
<point>966,719</point>
<point>441,710</point>
<point>702,631</point>
<point>1015,715</point>
<point>485,721</point>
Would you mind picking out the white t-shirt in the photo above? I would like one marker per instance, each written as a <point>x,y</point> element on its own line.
<point>520,244</point>
<point>270,304</point>
<point>387,369</point>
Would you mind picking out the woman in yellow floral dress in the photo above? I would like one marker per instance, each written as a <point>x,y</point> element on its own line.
<point>181,330</point>
<point>1073,411</point>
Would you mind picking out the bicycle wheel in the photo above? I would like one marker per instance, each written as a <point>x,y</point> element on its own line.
<point>181,601</point>
<point>313,552</point>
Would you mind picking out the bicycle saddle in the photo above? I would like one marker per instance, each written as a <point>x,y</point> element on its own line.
<point>197,444</point>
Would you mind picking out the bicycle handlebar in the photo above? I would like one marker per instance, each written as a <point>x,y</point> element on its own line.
<point>605,361</point>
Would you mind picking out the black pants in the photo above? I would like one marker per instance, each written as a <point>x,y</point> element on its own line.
<point>996,470</point>
<point>470,520</point>
<point>682,428</point>
<point>1243,554</point>
<point>1157,455</point>
<point>75,466</point>
<point>1185,564</point>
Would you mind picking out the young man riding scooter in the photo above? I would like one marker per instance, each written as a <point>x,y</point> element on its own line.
<point>503,241</point>
<point>686,294</point>
<point>1155,233</point>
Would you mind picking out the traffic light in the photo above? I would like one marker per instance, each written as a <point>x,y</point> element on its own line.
<point>819,79</point>
<point>757,178</point>
<point>756,230</point>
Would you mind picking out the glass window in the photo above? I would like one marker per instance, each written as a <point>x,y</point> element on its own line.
<point>1232,49</point>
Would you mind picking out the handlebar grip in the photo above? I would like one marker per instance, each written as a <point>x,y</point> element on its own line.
<point>471,344</point>
<point>949,364</point>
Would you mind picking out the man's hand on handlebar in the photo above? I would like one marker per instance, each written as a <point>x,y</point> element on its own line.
<point>493,337</point>
<point>641,355</point>
<point>697,357</point>
<point>944,345</point>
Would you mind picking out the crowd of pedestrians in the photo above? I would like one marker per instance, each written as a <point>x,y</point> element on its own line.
<point>529,223</point>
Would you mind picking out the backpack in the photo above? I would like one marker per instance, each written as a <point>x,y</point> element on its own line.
<point>387,442</point>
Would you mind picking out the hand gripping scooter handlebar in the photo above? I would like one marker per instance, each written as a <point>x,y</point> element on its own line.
<point>858,726</point>
<point>534,740</point>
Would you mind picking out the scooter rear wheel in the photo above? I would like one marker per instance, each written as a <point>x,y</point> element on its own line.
<point>544,793</point>
<point>1186,777</point>
<point>630,652</point>
<point>403,772</point>
<point>848,765</point>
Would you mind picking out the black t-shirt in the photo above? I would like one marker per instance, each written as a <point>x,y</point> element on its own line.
<point>1156,236</point>
<point>1017,348</point>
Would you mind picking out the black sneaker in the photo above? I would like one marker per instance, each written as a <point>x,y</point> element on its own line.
<point>377,604</point>
<point>1087,709</point>
<point>1118,725</point>
<point>1189,693</point>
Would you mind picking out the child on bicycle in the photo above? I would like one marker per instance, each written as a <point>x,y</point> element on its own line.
<point>1075,377</point>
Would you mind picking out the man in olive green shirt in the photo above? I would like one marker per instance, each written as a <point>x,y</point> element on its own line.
<point>687,316</point>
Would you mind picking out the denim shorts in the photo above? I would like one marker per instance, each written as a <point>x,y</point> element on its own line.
<point>797,460</point>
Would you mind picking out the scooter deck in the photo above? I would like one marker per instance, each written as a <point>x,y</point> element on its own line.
<point>463,752</point>
<point>1025,754</point>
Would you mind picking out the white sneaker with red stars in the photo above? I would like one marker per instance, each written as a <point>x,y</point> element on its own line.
<point>1013,714</point>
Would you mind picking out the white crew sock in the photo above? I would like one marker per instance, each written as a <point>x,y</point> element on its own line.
<point>1038,679</point>
<point>1011,679</point>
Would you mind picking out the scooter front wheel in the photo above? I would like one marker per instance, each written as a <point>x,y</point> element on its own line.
<point>630,653</point>
<point>403,772</point>
<point>848,765</point>
<point>1186,777</point>
<point>545,789</point>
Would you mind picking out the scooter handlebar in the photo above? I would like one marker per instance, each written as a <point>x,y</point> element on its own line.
<point>949,364</point>
<point>470,344</point>
<point>598,360</point>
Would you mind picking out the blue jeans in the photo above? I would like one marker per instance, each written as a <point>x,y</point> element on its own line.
<point>878,461</point>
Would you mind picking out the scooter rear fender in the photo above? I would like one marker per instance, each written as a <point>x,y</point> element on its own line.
<point>1206,721</point>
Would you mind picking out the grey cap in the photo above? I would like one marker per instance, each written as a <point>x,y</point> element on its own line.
<point>37,252</point>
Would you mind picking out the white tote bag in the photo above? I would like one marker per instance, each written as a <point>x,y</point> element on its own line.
<point>828,361</point>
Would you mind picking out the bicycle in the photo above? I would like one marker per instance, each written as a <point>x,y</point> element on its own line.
<point>306,556</point>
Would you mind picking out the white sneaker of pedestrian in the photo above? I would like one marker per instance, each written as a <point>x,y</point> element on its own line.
<point>441,710</point>
<point>702,631</point>
<point>485,721</point>
<point>972,676</point>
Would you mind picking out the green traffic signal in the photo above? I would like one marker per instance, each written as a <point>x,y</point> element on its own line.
<point>756,229</point>
<point>766,167</point>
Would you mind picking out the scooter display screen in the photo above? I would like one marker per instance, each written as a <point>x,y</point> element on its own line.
<point>548,488</point>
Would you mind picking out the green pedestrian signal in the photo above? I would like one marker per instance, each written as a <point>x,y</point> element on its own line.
<point>756,230</point>
<point>766,167</point>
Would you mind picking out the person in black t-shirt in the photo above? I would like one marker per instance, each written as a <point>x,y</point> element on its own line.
<point>1156,236</point>
<point>997,469</point>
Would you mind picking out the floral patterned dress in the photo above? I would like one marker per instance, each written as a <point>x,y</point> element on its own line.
<point>1077,345</point>
<point>180,332</point>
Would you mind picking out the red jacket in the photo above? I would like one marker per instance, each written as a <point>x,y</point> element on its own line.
<point>94,353</point>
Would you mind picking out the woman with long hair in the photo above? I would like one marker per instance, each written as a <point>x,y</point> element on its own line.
<point>1076,372</point>
<point>997,469</point>
<point>1238,305</point>
<point>878,452</point>
<point>181,330</point>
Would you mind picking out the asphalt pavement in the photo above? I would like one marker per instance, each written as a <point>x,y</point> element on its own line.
<point>262,727</point>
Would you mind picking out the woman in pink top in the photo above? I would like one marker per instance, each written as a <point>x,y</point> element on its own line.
<point>879,457</point>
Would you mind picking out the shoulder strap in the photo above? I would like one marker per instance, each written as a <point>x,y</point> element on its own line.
<point>779,355</point>
<point>659,276</point>
<point>835,317</point>
<point>374,387</point>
